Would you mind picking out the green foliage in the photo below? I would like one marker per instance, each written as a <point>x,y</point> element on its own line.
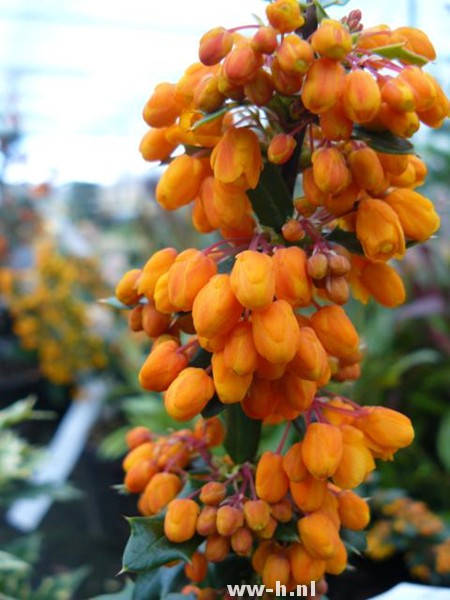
<point>239,445</point>
<point>148,548</point>
<point>271,200</point>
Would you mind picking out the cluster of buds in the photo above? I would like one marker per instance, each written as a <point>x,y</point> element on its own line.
<point>257,319</point>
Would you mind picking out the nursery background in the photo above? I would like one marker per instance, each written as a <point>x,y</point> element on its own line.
<point>77,209</point>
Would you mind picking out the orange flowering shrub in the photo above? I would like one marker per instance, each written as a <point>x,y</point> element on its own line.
<point>254,326</point>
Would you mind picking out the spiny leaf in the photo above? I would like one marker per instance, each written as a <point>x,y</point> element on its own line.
<point>384,141</point>
<point>148,547</point>
<point>126,593</point>
<point>399,52</point>
<point>271,200</point>
<point>201,359</point>
<point>355,541</point>
<point>243,434</point>
<point>214,407</point>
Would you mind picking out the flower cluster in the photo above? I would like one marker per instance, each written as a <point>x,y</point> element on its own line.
<point>401,523</point>
<point>50,316</point>
<point>295,151</point>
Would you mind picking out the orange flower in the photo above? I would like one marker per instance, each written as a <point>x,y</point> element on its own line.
<point>215,45</point>
<point>354,511</point>
<point>330,171</point>
<point>335,331</point>
<point>253,280</point>
<point>379,230</point>
<point>188,394</point>
<point>230,387</point>
<point>162,366</point>
<point>126,290</point>
<point>163,488</point>
<point>237,158</point>
<point>163,106</point>
<point>285,15</point>
<point>239,352</point>
<point>241,64</point>
<point>361,96</point>
<point>304,567</point>
<point>275,332</point>
<point>417,215</point>
<point>271,481</point>
<point>294,55</point>
<point>181,520</point>
<point>280,148</point>
<point>383,283</point>
<point>332,39</point>
<point>190,272</point>
<point>158,264</point>
<point>180,182</point>
<point>323,85</point>
<point>322,449</point>
<point>155,145</point>
<point>319,535</point>
<point>216,309</point>
<point>386,427</point>
<point>291,280</point>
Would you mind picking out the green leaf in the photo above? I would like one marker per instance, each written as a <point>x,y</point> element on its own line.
<point>126,593</point>
<point>347,239</point>
<point>209,118</point>
<point>9,562</point>
<point>320,11</point>
<point>399,52</point>
<point>148,547</point>
<point>287,532</point>
<point>443,441</point>
<point>355,541</point>
<point>243,434</point>
<point>112,301</point>
<point>214,407</point>
<point>158,584</point>
<point>201,359</point>
<point>383,141</point>
<point>270,199</point>
<point>61,586</point>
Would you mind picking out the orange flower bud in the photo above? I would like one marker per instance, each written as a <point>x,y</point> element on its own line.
<point>158,264</point>
<point>155,146</point>
<point>294,55</point>
<point>135,318</point>
<point>237,158</point>
<point>216,309</point>
<point>335,124</point>
<point>154,323</point>
<point>180,182</point>
<point>361,96</point>
<point>126,290</point>
<point>200,219</point>
<point>229,519</point>
<point>282,510</point>
<point>292,231</point>
<point>317,265</point>
<point>186,86</point>
<point>181,520</point>
<point>280,148</point>
<point>297,392</point>
<point>398,94</point>
<point>374,37</point>
<point>188,394</point>
<point>292,283</point>
<point>367,170</point>
<point>401,123</point>
<point>212,493</point>
<point>354,511</point>
<point>206,523</point>
<point>161,295</point>
<point>196,569</point>
<point>241,64</point>
<point>285,15</point>
<point>271,481</point>
<point>162,366</point>
<point>265,40</point>
<point>252,279</point>
<point>259,401</point>
<point>322,449</point>
<point>276,571</point>
<point>319,535</point>
<point>139,475</point>
<point>417,41</point>
<point>261,554</point>
<point>386,427</point>
<point>423,86</point>
<point>379,230</point>
<point>393,164</point>
<point>332,39</point>
<point>309,493</point>
<point>217,548</point>
<point>207,96</point>
<point>163,106</point>
<point>340,204</point>
<point>310,360</point>
<point>331,174</point>
<point>257,514</point>
<point>293,464</point>
<point>215,44</point>
<point>239,352</point>
<point>190,272</point>
<point>337,564</point>
<point>230,387</point>
<point>439,110</point>
<point>141,453</point>
<point>417,215</point>
<point>335,331</point>
<point>356,460</point>
<point>260,89</point>
<point>275,332</point>
<point>383,283</point>
<point>285,84</point>
<point>304,567</point>
<point>242,541</point>
<point>314,195</point>
<point>270,371</point>
<point>324,84</point>
<point>211,431</point>
<point>162,488</point>
<point>137,436</point>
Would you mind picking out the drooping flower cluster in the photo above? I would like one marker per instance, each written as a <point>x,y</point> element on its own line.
<point>295,151</point>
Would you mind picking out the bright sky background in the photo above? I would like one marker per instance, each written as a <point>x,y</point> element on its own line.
<point>78,72</point>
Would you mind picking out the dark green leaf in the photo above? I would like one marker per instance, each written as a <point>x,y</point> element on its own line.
<point>214,115</point>
<point>355,541</point>
<point>61,586</point>
<point>243,434</point>
<point>399,52</point>
<point>384,141</point>
<point>443,441</point>
<point>233,570</point>
<point>112,301</point>
<point>347,239</point>
<point>160,583</point>
<point>271,200</point>
<point>148,547</point>
<point>213,408</point>
<point>287,532</point>
<point>320,11</point>
<point>201,359</point>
